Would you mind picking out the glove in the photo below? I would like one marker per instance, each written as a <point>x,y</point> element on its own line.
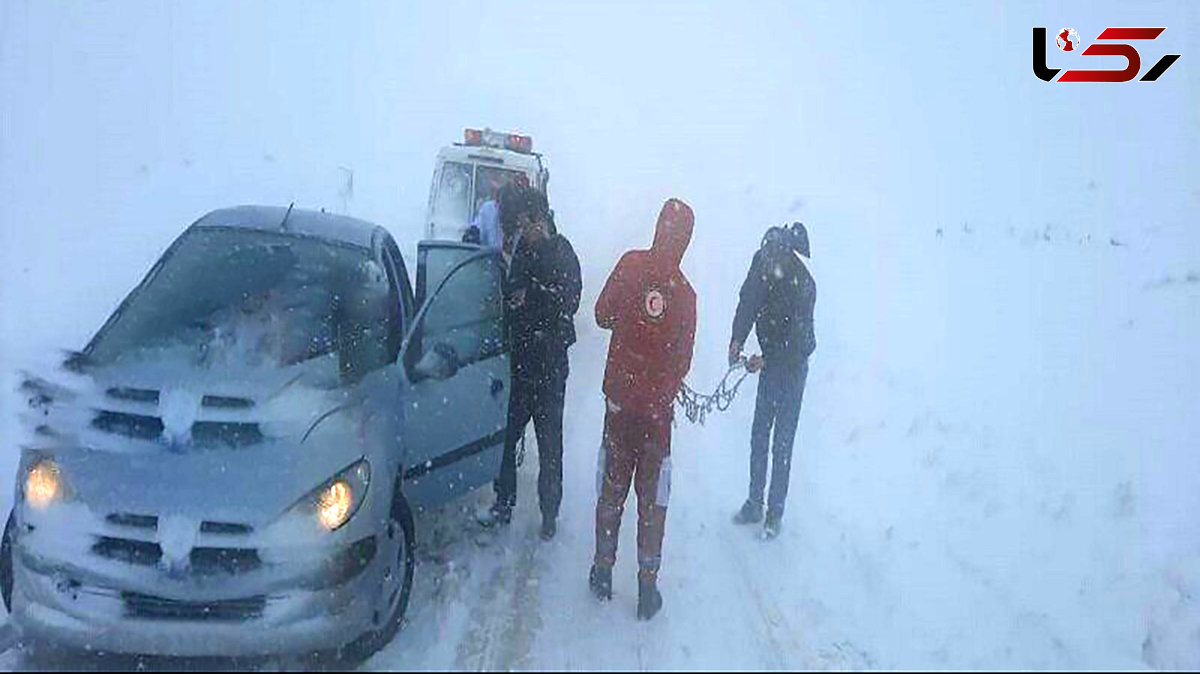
<point>754,364</point>
<point>735,353</point>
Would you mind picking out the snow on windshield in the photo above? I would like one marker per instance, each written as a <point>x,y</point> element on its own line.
<point>230,297</point>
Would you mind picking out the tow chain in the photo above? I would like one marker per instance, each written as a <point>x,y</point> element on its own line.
<point>696,406</point>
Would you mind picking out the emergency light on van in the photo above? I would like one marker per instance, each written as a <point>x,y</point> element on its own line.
<point>488,138</point>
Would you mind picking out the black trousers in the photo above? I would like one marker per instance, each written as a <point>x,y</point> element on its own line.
<point>538,395</point>
<point>780,393</point>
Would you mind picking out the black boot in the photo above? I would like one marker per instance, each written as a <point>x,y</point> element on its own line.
<point>600,580</point>
<point>772,526</point>
<point>751,513</point>
<point>549,527</point>
<point>649,598</point>
<point>498,515</point>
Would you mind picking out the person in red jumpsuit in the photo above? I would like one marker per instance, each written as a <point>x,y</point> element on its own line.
<point>651,309</point>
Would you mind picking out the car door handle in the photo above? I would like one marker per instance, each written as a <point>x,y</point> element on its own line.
<point>497,386</point>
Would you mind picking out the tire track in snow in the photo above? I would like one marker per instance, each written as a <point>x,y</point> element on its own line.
<point>775,629</point>
<point>8,637</point>
<point>506,620</point>
<point>782,646</point>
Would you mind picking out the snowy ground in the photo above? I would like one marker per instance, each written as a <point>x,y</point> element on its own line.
<point>996,464</point>
<point>925,530</point>
<point>937,520</point>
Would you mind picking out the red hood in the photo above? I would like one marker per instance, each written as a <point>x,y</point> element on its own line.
<point>673,232</point>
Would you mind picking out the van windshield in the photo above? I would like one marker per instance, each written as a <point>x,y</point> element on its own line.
<point>464,188</point>
<point>453,199</point>
<point>489,180</point>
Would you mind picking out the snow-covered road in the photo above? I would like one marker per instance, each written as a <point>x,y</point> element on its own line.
<point>941,515</point>
<point>507,600</point>
<point>926,527</point>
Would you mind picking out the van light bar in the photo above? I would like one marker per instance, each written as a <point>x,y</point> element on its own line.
<point>507,141</point>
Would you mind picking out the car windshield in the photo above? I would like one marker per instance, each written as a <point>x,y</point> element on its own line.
<point>239,296</point>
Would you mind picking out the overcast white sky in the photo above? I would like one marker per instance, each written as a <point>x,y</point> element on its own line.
<point>883,118</point>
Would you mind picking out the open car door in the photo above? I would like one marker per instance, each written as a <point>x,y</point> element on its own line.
<point>435,259</point>
<point>457,363</point>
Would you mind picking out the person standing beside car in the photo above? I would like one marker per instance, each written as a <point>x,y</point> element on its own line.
<point>777,300</point>
<point>650,308</point>
<point>542,293</point>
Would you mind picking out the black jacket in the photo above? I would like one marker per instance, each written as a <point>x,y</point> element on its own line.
<point>777,299</point>
<point>541,329</point>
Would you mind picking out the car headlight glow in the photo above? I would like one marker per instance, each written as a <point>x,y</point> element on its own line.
<point>43,484</point>
<point>335,502</point>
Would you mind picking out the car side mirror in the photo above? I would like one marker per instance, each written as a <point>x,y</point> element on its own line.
<point>440,362</point>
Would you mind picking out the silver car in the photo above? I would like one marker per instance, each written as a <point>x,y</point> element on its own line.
<point>231,466</point>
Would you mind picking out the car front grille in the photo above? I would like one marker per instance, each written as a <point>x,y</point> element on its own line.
<point>229,561</point>
<point>225,528</point>
<point>137,395</point>
<point>202,561</point>
<point>139,553</point>
<point>132,520</point>
<point>138,418</point>
<point>226,402</point>
<point>147,607</point>
<point>150,396</point>
<point>225,434</point>
<point>138,426</point>
<point>136,521</point>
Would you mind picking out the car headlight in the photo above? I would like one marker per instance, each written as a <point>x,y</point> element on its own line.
<point>335,502</point>
<point>44,484</point>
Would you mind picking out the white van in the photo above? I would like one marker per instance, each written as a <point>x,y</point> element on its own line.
<point>468,174</point>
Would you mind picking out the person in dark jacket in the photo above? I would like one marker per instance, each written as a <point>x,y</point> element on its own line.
<point>542,292</point>
<point>777,300</point>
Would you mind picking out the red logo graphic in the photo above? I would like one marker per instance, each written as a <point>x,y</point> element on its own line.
<point>1068,41</point>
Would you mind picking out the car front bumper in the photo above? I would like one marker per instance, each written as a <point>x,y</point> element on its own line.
<point>88,603</point>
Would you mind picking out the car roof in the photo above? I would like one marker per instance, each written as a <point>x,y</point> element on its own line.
<point>339,228</point>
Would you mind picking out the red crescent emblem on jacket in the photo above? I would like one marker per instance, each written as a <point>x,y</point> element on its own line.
<point>656,303</point>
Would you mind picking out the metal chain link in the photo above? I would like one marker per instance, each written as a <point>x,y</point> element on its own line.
<point>696,406</point>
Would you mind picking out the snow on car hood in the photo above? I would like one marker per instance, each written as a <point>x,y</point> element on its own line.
<point>219,445</point>
<point>155,407</point>
<point>253,488</point>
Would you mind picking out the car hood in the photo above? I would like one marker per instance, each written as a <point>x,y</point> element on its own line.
<point>149,407</point>
<point>253,487</point>
<point>215,445</point>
